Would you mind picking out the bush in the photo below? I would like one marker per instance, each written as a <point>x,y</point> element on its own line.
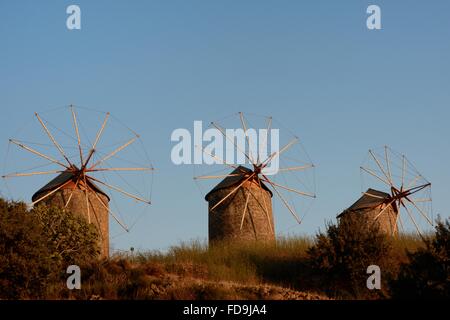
<point>427,275</point>
<point>69,238</point>
<point>341,255</point>
<point>37,245</point>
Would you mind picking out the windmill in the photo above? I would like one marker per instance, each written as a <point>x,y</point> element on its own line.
<point>240,206</point>
<point>401,190</point>
<point>83,167</point>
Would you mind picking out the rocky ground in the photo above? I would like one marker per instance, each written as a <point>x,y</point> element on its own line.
<point>172,286</point>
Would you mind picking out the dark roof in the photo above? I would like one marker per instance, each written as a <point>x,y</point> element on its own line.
<point>366,201</point>
<point>235,177</point>
<point>60,180</point>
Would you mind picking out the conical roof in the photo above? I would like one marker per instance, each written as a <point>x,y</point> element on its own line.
<point>61,179</point>
<point>370,199</point>
<point>234,178</point>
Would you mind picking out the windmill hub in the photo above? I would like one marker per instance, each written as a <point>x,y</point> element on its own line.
<point>74,168</point>
<point>257,169</point>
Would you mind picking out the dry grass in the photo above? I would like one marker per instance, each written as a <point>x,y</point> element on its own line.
<point>192,270</point>
<point>243,263</point>
<point>409,241</point>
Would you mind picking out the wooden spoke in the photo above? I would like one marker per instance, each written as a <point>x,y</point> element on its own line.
<point>68,200</point>
<point>247,138</point>
<point>96,219</point>
<point>417,189</point>
<point>37,153</point>
<point>396,222</point>
<point>384,209</point>
<point>413,181</point>
<point>422,200</point>
<point>420,210</point>
<point>399,217</point>
<point>77,132</point>
<point>269,125</point>
<point>97,138</point>
<point>375,175</point>
<point>245,209</point>
<point>88,158</point>
<point>53,139</point>
<point>388,166</point>
<point>285,202</point>
<point>122,224</point>
<point>113,153</point>
<point>86,188</point>
<point>217,177</point>
<point>217,158</point>
<point>296,168</point>
<point>232,141</point>
<point>27,174</point>
<point>99,134</point>
<point>412,218</point>
<point>279,152</point>
<point>372,195</point>
<point>403,169</point>
<point>288,189</point>
<point>381,167</point>
<point>266,211</point>
<point>119,190</point>
<point>120,169</point>
<point>50,193</point>
<point>232,191</point>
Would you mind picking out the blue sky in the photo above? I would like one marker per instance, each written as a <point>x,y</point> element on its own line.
<point>313,65</point>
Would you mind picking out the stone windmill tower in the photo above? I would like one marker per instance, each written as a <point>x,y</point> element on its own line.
<point>95,210</point>
<point>244,216</point>
<point>240,207</point>
<point>376,207</point>
<point>79,176</point>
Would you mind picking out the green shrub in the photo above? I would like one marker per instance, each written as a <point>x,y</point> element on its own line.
<point>427,274</point>
<point>341,255</point>
<point>69,238</point>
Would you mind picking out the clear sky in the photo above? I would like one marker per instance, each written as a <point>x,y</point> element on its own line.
<point>313,65</point>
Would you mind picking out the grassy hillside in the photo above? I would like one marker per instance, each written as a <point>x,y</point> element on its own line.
<point>226,271</point>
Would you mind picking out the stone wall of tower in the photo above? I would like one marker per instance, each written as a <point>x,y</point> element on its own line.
<point>387,221</point>
<point>225,221</point>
